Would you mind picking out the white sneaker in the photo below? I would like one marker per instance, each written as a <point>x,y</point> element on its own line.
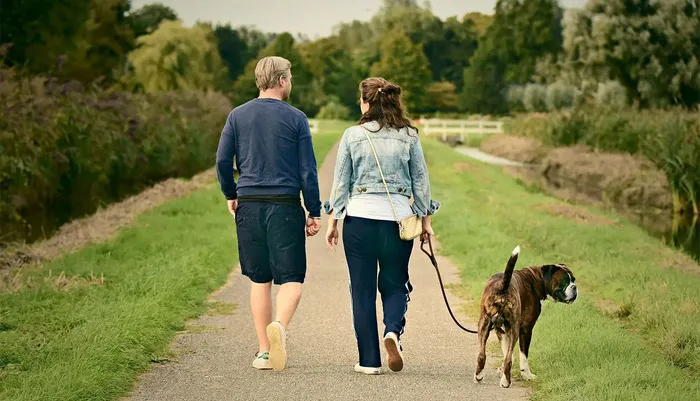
<point>262,361</point>
<point>394,351</point>
<point>278,345</point>
<point>367,371</point>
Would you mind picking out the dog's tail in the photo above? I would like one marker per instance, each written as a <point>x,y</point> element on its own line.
<point>510,266</point>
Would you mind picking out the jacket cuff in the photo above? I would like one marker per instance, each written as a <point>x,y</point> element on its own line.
<point>432,209</point>
<point>328,208</point>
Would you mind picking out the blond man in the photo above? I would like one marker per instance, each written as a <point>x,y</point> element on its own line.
<point>271,143</point>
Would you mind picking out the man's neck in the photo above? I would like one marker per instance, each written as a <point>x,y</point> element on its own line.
<point>269,94</point>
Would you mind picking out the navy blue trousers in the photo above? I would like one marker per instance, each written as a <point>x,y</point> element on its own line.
<point>368,242</point>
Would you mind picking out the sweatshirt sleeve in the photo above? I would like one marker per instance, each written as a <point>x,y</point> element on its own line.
<point>224,159</point>
<point>308,170</point>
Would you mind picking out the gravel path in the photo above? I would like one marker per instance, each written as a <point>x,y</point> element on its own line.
<point>213,361</point>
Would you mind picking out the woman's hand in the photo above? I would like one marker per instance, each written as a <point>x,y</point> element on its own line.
<point>427,229</point>
<point>332,234</point>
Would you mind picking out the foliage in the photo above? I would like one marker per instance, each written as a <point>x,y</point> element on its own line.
<point>651,47</point>
<point>535,98</point>
<point>333,111</point>
<point>65,150</point>
<point>479,21</point>
<point>40,31</point>
<point>515,97</point>
<point>238,46</point>
<point>611,93</point>
<point>521,33</point>
<point>442,96</point>
<point>176,57</point>
<point>403,62</point>
<point>561,95</point>
<point>147,19</point>
<point>72,39</point>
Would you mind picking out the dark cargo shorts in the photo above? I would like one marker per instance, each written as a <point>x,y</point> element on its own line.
<point>272,242</point>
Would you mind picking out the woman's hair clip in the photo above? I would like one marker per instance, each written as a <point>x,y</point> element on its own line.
<point>380,90</point>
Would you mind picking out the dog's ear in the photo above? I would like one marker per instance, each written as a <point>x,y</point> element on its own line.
<point>548,271</point>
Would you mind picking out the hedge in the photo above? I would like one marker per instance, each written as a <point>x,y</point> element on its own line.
<point>66,150</point>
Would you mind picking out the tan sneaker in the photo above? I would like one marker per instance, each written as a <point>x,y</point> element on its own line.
<point>262,361</point>
<point>394,351</point>
<point>278,345</point>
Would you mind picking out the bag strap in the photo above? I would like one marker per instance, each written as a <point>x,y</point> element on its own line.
<point>391,202</point>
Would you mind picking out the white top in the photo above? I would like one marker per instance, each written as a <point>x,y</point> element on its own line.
<point>377,206</point>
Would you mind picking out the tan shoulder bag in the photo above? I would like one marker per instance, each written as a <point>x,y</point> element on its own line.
<point>409,227</point>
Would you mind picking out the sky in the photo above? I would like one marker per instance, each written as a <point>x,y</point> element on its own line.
<point>312,18</point>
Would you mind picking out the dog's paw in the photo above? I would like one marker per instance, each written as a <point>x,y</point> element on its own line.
<point>505,383</point>
<point>478,378</point>
<point>527,375</point>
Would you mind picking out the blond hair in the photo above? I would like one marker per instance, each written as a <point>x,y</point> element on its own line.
<point>269,71</point>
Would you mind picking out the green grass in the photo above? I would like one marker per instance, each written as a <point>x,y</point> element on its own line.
<point>93,339</point>
<point>634,333</point>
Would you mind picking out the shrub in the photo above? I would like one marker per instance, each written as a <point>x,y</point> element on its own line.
<point>535,98</point>
<point>333,111</point>
<point>65,151</point>
<point>515,97</point>
<point>561,96</point>
<point>611,93</point>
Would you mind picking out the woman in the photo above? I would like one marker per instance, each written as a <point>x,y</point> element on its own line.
<point>370,231</point>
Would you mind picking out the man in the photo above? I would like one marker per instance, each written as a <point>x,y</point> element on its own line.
<point>271,142</point>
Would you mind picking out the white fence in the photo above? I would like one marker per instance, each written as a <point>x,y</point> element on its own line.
<point>460,128</point>
<point>313,126</point>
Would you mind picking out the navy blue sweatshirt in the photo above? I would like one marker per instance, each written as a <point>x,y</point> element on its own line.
<point>271,143</point>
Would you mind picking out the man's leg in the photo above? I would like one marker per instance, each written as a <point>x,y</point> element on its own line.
<point>261,306</point>
<point>255,264</point>
<point>286,239</point>
<point>287,301</point>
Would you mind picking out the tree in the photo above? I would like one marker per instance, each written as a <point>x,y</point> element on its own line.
<point>175,57</point>
<point>333,68</point>
<point>404,63</point>
<point>521,33</point>
<point>238,46</point>
<point>479,21</point>
<point>147,18</point>
<point>650,47</point>
<point>102,46</point>
<point>41,30</point>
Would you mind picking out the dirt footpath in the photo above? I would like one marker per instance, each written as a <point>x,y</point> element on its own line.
<point>214,359</point>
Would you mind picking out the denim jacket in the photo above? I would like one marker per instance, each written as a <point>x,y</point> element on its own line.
<point>401,156</point>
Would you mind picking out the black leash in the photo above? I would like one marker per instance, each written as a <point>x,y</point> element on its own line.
<point>433,260</point>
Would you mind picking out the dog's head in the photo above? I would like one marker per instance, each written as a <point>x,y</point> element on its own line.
<point>559,282</point>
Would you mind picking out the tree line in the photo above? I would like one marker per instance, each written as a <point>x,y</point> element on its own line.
<point>530,55</point>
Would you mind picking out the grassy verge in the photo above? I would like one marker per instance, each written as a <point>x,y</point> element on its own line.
<point>83,326</point>
<point>634,333</point>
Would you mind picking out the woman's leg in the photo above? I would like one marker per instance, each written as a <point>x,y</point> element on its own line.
<point>394,284</point>
<point>359,241</point>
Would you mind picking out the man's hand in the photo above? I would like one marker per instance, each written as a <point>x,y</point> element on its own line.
<point>232,206</point>
<point>313,226</point>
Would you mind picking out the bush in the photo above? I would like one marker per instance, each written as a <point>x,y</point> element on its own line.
<point>333,111</point>
<point>561,96</point>
<point>515,97</point>
<point>65,151</point>
<point>535,98</point>
<point>611,93</point>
